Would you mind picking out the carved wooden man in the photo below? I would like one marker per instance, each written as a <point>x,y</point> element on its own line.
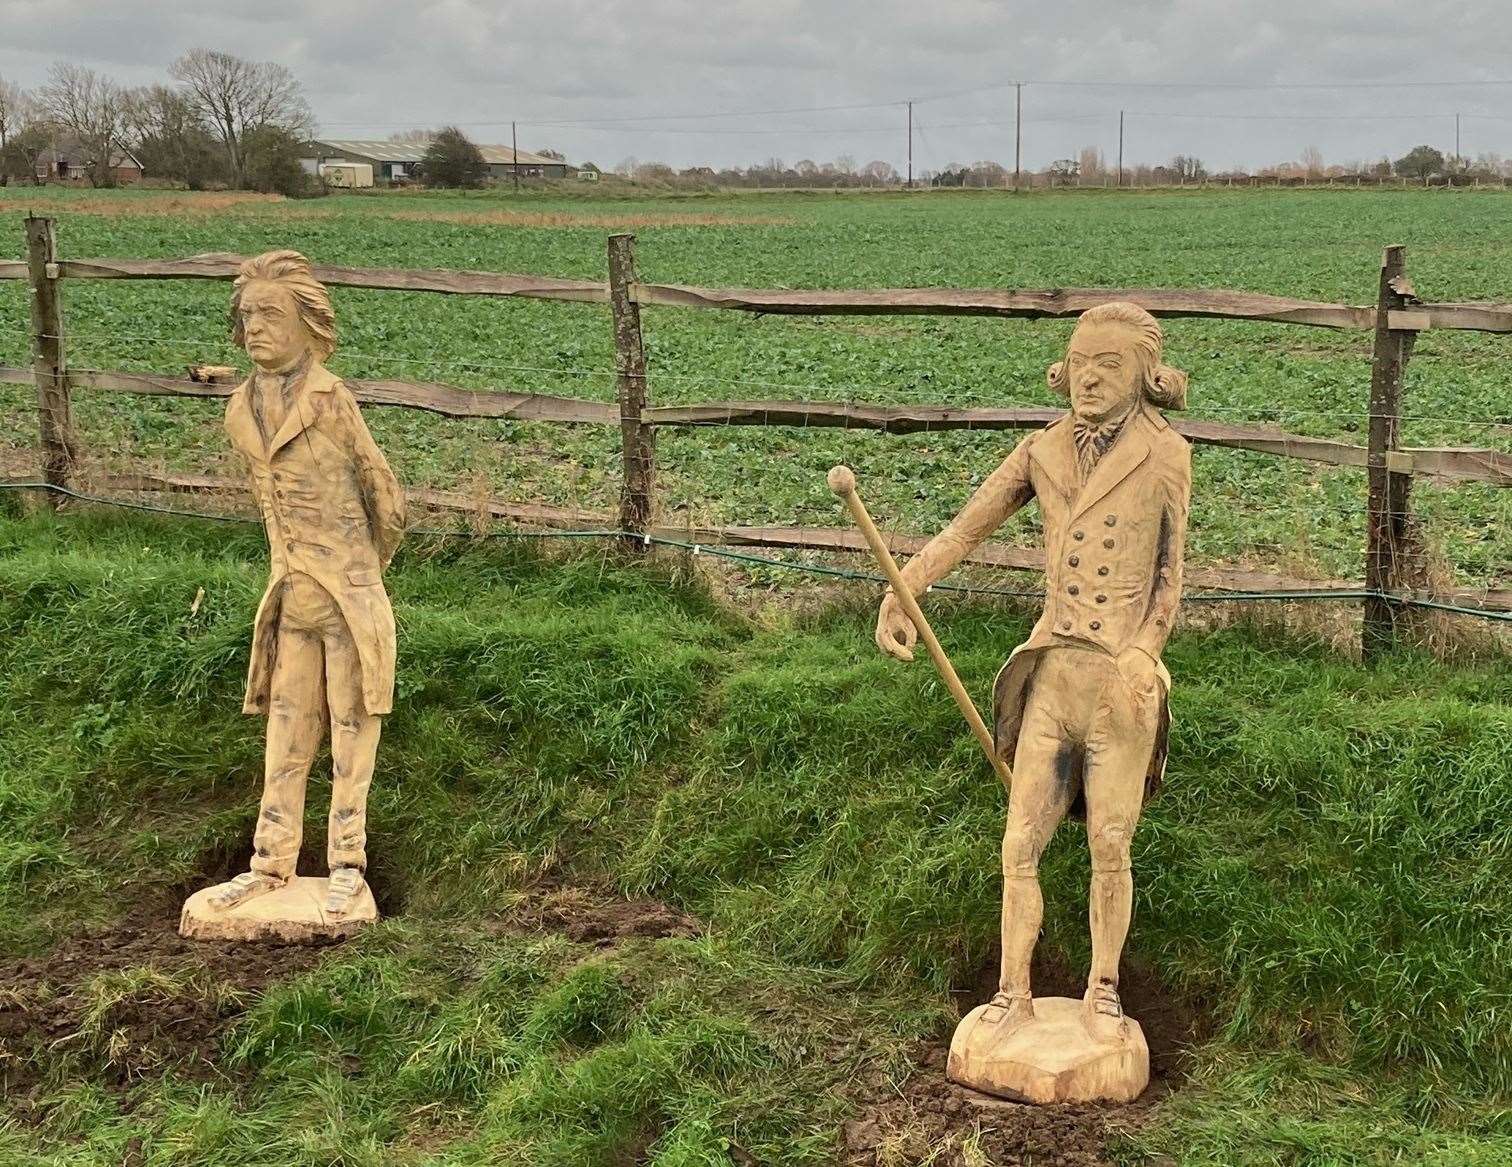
<point>1081,705</point>
<point>323,645</point>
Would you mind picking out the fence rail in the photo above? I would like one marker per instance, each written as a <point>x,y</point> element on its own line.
<point>1395,319</point>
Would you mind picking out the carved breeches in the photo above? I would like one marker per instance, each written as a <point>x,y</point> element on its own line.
<point>316,677</point>
<point>1085,731</point>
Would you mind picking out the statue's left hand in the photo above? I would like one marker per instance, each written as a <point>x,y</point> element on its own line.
<point>1137,668</point>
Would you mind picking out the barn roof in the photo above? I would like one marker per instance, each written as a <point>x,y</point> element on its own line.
<point>370,150</point>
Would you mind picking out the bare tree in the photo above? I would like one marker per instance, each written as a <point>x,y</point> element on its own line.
<point>237,97</point>
<point>1187,168</point>
<point>169,136</point>
<point>1312,162</point>
<point>1089,162</point>
<point>23,134</point>
<point>413,137</point>
<point>91,108</point>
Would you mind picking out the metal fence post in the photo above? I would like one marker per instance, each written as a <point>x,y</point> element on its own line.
<point>54,413</point>
<point>1387,532</point>
<point>638,440</point>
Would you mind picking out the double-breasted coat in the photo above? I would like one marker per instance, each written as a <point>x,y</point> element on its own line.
<point>334,511</point>
<point>1113,553</point>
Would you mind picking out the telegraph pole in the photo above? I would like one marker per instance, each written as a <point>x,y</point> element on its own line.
<point>1120,147</point>
<point>514,155</point>
<point>1457,154</point>
<point>910,145</point>
<point>1018,132</point>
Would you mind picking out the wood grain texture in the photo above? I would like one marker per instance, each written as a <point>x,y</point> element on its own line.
<point>224,266</point>
<point>1031,304</point>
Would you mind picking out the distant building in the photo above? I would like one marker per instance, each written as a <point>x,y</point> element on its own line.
<point>67,161</point>
<point>397,161</point>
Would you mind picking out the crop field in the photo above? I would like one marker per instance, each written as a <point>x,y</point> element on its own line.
<point>1249,509</point>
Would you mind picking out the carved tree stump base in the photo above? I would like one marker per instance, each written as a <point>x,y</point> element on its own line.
<point>294,914</point>
<point>1051,1059</point>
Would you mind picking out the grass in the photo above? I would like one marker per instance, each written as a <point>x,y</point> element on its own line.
<point>1324,872</point>
<point>1249,509</point>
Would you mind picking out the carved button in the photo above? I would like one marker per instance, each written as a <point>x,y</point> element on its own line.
<point>1074,560</point>
<point>1078,534</point>
<point>1108,543</point>
<point>1103,570</point>
<point>1102,599</point>
<point>1095,625</point>
<point>1066,625</point>
<point>1073,590</point>
<point>1111,520</point>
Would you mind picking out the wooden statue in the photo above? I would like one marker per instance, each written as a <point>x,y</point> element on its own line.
<point>1081,705</point>
<point>323,644</point>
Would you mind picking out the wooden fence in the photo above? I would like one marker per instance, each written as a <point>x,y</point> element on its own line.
<point>1395,319</point>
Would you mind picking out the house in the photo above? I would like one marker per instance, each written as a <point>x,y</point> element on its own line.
<point>397,161</point>
<point>66,160</point>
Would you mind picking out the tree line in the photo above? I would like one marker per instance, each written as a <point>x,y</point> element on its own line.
<point>217,121</point>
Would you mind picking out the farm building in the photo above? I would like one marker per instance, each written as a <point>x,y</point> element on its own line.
<point>397,160</point>
<point>68,161</point>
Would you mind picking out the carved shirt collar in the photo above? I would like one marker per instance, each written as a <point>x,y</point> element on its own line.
<point>285,385</point>
<point>1093,441</point>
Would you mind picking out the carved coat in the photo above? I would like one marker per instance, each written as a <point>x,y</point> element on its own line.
<point>1113,553</point>
<point>333,510</point>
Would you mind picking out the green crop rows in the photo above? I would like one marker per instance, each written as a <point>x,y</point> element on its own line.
<point>1249,509</point>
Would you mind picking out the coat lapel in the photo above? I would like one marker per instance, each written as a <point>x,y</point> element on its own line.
<point>306,410</point>
<point>241,426</point>
<point>1055,455</point>
<point>1130,449</point>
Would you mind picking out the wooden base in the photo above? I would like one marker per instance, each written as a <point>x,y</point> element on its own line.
<point>1051,1059</point>
<point>294,914</point>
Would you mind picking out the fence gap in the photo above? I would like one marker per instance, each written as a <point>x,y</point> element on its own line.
<point>637,438</point>
<point>1388,528</point>
<point>60,451</point>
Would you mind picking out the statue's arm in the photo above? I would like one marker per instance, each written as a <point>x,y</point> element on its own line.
<point>382,496</point>
<point>1170,550</point>
<point>1005,492</point>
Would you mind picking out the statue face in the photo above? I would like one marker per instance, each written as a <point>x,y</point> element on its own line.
<point>273,330</point>
<point>1104,369</point>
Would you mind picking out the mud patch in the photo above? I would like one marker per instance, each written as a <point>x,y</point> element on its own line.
<point>593,915</point>
<point>126,1002</point>
<point>600,220</point>
<point>927,1119</point>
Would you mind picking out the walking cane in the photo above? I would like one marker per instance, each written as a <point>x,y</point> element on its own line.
<point>842,480</point>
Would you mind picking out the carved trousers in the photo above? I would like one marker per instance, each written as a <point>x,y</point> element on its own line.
<point>317,676</point>
<point>1085,729</point>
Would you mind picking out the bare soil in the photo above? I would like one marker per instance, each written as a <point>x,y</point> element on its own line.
<point>927,1119</point>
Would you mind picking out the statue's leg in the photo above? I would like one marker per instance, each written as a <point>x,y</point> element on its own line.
<point>1119,746</point>
<point>354,750</point>
<point>1044,784</point>
<point>296,714</point>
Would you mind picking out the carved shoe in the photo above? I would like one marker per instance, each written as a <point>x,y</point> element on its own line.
<point>1103,1015</point>
<point>246,886</point>
<point>1009,1011</point>
<point>346,884</point>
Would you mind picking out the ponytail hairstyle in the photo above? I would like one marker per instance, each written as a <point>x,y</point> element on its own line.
<point>1162,385</point>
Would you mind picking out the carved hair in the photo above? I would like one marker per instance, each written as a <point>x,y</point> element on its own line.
<point>1162,385</point>
<point>291,271</point>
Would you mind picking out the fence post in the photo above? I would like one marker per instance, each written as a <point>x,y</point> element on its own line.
<point>1387,525</point>
<point>54,420</point>
<point>638,441</point>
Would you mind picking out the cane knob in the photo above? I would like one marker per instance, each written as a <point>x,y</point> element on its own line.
<point>842,480</point>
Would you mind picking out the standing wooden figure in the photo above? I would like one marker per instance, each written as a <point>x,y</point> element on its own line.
<point>1080,707</point>
<point>323,644</point>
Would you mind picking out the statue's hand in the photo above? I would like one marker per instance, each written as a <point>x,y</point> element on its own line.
<point>896,634</point>
<point>1137,668</point>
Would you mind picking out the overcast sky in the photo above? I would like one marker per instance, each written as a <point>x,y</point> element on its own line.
<point>643,69</point>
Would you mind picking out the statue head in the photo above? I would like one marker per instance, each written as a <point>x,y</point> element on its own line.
<point>1114,360</point>
<point>280,312</point>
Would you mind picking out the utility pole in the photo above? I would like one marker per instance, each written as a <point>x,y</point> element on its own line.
<point>1120,147</point>
<point>1457,154</point>
<point>910,145</point>
<point>514,155</point>
<point>1018,132</point>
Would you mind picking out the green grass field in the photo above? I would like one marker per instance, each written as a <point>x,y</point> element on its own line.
<point>1249,509</point>
<point>674,880</point>
<point>1322,893</point>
